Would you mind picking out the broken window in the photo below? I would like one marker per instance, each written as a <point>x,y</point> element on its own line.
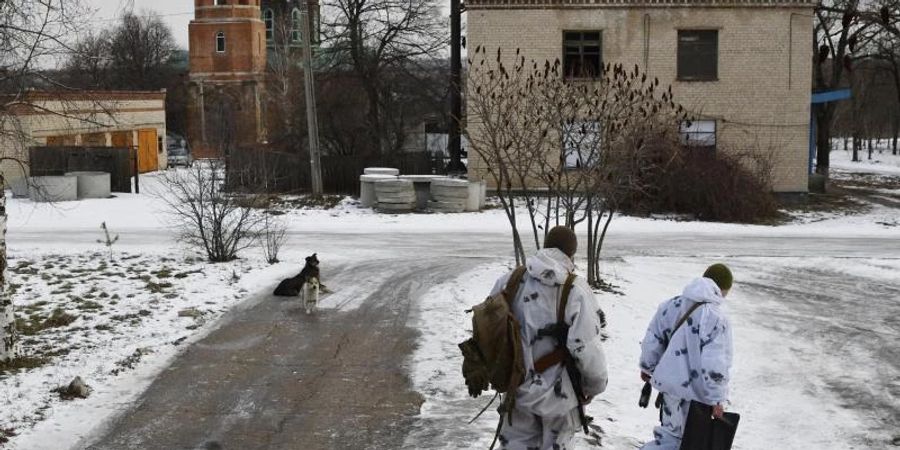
<point>698,55</point>
<point>699,134</point>
<point>582,54</point>
<point>581,144</point>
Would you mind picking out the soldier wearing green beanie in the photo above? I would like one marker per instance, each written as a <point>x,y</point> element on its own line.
<point>686,354</point>
<point>721,274</point>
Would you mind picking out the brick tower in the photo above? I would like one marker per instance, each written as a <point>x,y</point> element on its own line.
<point>227,76</point>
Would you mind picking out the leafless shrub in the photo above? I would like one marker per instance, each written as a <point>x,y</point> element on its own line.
<point>713,186</point>
<point>272,236</point>
<point>206,216</point>
<point>108,239</point>
<point>583,142</point>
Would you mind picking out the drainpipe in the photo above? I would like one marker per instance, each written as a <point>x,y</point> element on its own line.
<point>646,42</point>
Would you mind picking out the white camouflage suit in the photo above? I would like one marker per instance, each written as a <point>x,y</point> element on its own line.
<point>546,414</point>
<point>697,362</point>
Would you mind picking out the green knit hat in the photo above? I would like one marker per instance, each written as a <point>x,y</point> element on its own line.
<point>721,274</point>
<point>562,238</point>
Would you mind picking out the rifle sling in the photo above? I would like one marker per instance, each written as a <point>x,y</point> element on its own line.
<point>682,320</point>
<point>558,355</point>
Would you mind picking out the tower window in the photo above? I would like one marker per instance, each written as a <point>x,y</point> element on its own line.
<point>220,42</point>
<point>296,17</point>
<point>269,19</point>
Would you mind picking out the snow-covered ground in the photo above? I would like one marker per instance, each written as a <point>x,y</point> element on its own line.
<point>112,321</point>
<point>883,160</point>
<point>797,367</point>
<point>58,264</point>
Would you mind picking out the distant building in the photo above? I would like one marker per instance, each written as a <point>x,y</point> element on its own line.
<point>743,66</point>
<point>282,22</point>
<point>230,41</point>
<point>85,118</point>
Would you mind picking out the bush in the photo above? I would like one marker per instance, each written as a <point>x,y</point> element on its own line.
<point>711,186</point>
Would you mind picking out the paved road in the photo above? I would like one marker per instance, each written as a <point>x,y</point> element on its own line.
<point>275,378</point>
<point>680,243</point>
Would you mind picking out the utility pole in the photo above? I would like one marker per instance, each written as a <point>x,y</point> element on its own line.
<point>455,140</point>
<point>315,162</point>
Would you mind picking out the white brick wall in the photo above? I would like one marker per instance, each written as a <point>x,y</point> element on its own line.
<point>761,100</point>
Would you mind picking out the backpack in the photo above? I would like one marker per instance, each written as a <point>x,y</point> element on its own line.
<point>492,357</point>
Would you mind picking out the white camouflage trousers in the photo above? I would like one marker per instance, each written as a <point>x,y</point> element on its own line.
<point>667,436</point>
<point>530,432</point>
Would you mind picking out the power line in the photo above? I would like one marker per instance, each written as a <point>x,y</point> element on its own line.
<point>144,16</point>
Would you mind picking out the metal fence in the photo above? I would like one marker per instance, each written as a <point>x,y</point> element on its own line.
<point>271,171</point>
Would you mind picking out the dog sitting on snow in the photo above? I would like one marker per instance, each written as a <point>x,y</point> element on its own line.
<point>293,287</point>
<point>311,294</point>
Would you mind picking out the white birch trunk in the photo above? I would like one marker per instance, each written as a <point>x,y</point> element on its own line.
<point>8,336</point>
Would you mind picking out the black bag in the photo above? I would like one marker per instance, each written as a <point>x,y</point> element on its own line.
<point>703,432</point>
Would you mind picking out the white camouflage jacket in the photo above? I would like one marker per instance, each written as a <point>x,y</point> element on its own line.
<point>550,394</point>
<point>697,363</point>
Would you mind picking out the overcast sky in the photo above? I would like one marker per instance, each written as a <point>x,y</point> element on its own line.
<point>177,13</point>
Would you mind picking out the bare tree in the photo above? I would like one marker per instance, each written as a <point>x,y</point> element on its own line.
<point>285,87</point>
<point>374,36</point>
<point>89,65</point>
<point>844,33</point>
<point>503,131</point>
<point>139,50</point>
<point>219,223</point>
<point>567,151</point>
<point>887,49</point>
<point>32,34</point>
<point>609,132</point>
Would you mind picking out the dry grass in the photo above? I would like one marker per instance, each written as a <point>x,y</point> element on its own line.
<point>16,364</point>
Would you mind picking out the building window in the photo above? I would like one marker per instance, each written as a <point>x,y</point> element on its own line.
<point>581,144</point>
<point>221,2</point>
<point>698,55</point>
<point>269,19</point>
<point>582,54</point>
<point>220,42</point>
<point>699,134</point>
<point>296,17</point>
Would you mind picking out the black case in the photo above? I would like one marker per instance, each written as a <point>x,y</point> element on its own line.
<point>703,432</point>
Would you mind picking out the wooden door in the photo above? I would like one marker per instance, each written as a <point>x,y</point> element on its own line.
<point>148,160</point>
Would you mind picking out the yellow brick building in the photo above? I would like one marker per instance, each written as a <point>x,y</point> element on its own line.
<point>135,119</point>
<point>745,66</point>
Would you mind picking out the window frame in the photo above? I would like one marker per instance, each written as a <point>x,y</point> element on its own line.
<point>296,28</point>
<point>692,136</point>
<point>269,21</point>
<point>581,43</point>
<point>221,42</point>
<point>685,65</point>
